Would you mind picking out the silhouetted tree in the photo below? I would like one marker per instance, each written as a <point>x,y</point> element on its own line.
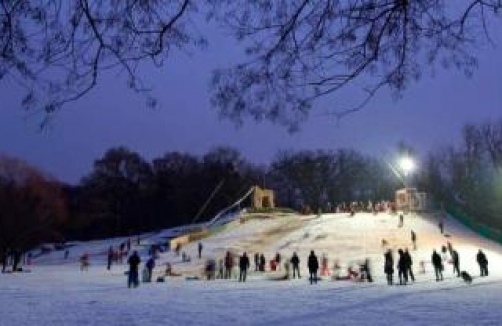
<point>299,50</point>
<point>32,204</point>
<point>302,50</point>
<point>115,192</point>
<point>60,49</point>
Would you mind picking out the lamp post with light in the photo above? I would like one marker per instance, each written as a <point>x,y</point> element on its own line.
<point>407,165</point>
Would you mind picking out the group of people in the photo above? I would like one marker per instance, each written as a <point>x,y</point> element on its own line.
<point>291,267</point>
<point>404,266</point>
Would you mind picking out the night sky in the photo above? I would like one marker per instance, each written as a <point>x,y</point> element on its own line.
<point>430,114</point>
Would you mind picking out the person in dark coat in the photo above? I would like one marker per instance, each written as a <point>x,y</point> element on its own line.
<point>133,262</point>
<point>402,268</point>
<point>278,260</point>
<point>441,226</point>
<point>263,262</point>
<point>409,264</point>
<point>243,266</point>
<point>150,265</point>
<point>389,266</point>
<point>199,247</point>
<point>366,270</point>
<point>256,261</point>
<point>483,263</point>
<point>313,265</point>
<point>16,260</point>
<point>449,247</point>
<point>109,258</point>
<point>229,263</point>
<point>295,262</point>
<point>437,262</point>
<point>414,239</point>
<point>456,262</point>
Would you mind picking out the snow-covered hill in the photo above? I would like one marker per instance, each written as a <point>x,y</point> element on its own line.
<point>56,292</point>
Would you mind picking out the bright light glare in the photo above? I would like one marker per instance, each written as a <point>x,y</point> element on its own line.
<point>407,164</point>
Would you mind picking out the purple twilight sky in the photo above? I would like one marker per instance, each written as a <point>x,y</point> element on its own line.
<point>430,114</point>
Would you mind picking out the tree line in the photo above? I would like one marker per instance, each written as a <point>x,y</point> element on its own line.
<point>126,194</point>
<point>469,175</point>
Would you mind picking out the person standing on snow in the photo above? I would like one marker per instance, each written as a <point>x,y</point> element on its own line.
<point>389,266</point>
<point>414,239</point>
<point>150,265</point>
<point>263,262</point>
<point>133,262</point>
<point>295,262</point>
<point>243,266</point>
<point>313,265</point>
<point>402,268</point>
<point>456,262</point>
<point>441,226</point>
<point>409,264</point>
<point>278,260</point>
<point>229,264</point>
<point>437,262</point>
<point>401,220</point>
<point>483,263</point>
<point>110,258</point>
<point>200,249</point>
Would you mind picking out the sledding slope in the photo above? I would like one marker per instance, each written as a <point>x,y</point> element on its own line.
<point>338,236</point>
<point>56,293</point>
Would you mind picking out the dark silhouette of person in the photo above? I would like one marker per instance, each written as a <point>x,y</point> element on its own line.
<point>313,265</point>
<point>133,261</point>
<point>295,262</point>
<point>263,262</point>
<point>150,265</point>
<point>402,268</point>
<point>441,226</point>
<point>456,262</point>
<point>366,270</point>
<point>409,264</point>
<point>200,249</point>
<point>243,266</point>
<point>278,260</point>
<point>16,260</point>
<point>437,262</point>
<point>109,258</point>
<point>414,239</point>
<point>389,266</point>
<point>449,247</point>
<point>483,263</point>
<point>229,263</point>
<point>256,261</point>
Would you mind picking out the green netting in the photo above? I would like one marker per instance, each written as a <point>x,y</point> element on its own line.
<point>482,230</point>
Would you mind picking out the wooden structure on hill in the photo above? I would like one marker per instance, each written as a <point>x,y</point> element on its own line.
<point>263,198</point>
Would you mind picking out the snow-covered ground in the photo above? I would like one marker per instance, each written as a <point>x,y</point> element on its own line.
<point>56,292</point>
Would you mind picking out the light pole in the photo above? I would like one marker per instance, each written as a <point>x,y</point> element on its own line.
<point>407,165</point>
